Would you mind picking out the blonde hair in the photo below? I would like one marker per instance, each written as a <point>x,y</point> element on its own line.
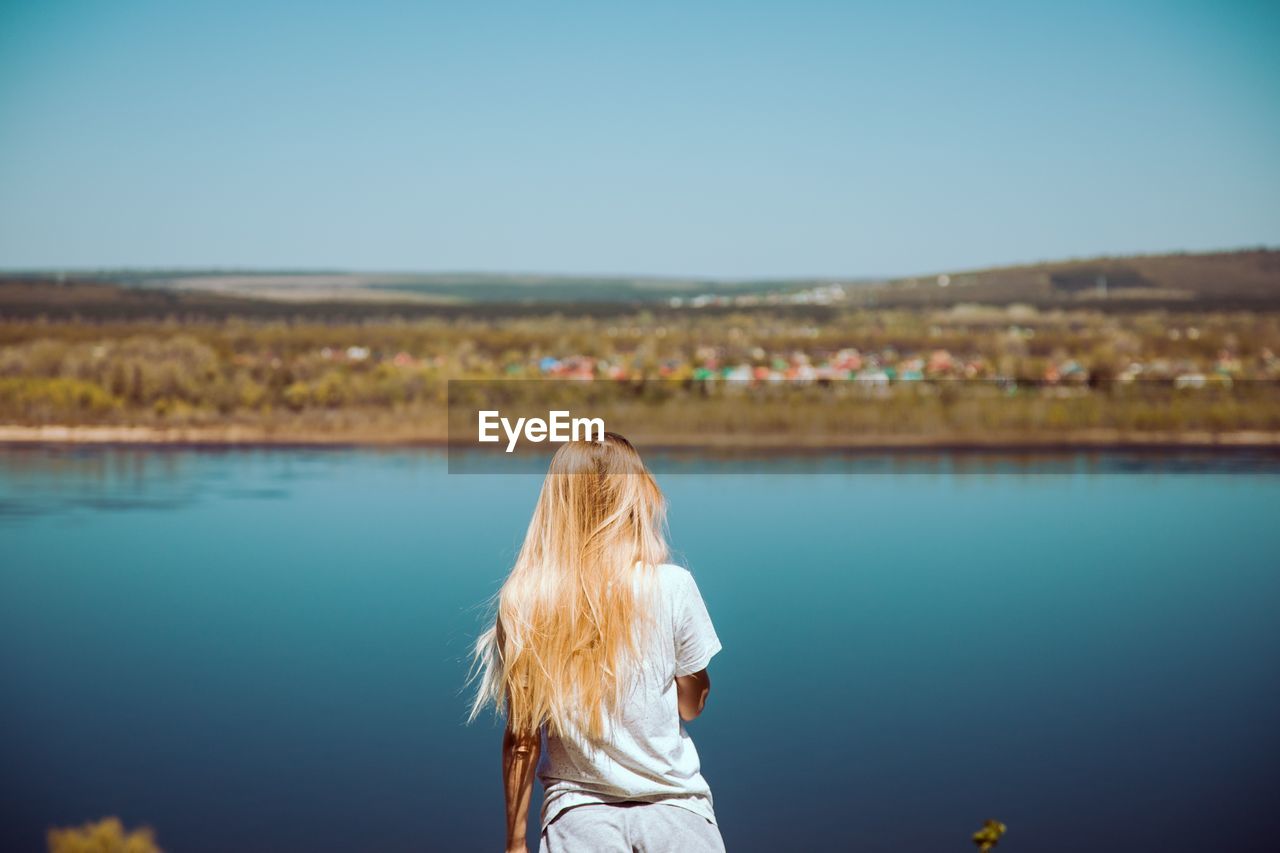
<point>569,621</point>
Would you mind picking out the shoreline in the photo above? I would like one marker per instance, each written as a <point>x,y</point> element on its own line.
<point>15,435</point>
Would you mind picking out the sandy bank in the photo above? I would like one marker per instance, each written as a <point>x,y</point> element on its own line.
<point>13,434</point>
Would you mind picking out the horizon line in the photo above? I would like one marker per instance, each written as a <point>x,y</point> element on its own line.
<point>283,270</point>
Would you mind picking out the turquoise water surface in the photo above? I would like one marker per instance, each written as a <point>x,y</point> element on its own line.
<point>264,650</point>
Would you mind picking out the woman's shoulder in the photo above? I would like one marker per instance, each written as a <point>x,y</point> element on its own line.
<point>668,571</point>
<point>673,578</point>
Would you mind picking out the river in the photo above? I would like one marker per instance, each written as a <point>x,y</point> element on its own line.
<point>265,650</point>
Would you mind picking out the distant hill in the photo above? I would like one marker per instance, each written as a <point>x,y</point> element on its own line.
<point>1242,280</point>
<point>322,294</point>
<point>1216,280</point>
<point>437,288</point>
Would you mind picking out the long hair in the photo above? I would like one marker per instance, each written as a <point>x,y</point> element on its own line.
<point>571,618</point>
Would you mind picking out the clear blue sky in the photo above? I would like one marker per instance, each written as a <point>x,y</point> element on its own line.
<point>723,139</point>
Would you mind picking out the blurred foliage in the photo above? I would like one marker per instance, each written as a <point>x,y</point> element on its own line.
<point>371,377</point>
<point>106,836</point>
<point>989,836</point>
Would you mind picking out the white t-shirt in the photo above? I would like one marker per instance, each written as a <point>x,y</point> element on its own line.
<point>647,754</point>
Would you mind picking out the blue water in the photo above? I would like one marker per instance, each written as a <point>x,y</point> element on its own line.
<point>264,650</point>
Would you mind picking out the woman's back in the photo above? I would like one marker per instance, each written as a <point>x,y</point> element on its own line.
<point>646,754</point>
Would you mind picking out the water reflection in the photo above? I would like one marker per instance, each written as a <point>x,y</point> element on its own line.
<point>60,479</point>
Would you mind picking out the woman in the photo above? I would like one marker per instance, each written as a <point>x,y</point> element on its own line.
<point>598,651</point>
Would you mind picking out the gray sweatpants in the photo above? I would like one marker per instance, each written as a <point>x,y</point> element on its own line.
<point>630,827</point>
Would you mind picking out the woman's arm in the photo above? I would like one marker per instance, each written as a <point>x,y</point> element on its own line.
<point>519,760</point>
<point>691,693</point>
